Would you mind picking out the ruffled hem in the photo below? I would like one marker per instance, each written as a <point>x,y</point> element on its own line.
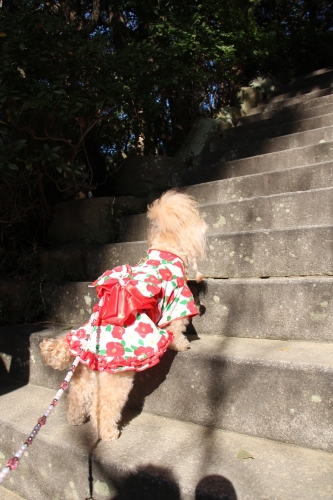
<point>101,363</point>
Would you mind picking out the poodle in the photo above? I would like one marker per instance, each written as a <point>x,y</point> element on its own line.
<point>142,310</point>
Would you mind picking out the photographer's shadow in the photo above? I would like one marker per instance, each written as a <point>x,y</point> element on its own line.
<point>158,483</point>
<point>215,487</point>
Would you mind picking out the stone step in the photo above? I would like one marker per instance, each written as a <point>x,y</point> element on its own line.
<point>296,88</point>
<point>273,389</point>
<point>300,89</point>
<point>212,166</point>
<point>260,118</point>
<point>298,251</point>
<point>15,294</point>
<point>279,105</point>
<point>227,382</point>
<point>266,405</point>
<point>274,308</point>
<point>291,114</point>
<point>293,309</point>
<point>304,208</point>
<point>9,495</point>
<point>303,251</point>
<point>270,132</point>
<point>302,81</point>
<point>265,388</point>
<point>264,184</point>
<point>69,262</point>
<point>267,146</point>
<point>306,76</point>
<point>155,458</point>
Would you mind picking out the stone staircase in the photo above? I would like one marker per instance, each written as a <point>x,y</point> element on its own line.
<point>259,374</point>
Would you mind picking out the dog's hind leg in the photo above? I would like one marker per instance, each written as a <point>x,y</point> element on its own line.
<point>109,401</point>
<point>180,342</point>
<point>82,387</point>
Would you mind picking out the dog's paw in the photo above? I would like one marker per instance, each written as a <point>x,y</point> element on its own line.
<point>181,344</point>
<point>109,434</point>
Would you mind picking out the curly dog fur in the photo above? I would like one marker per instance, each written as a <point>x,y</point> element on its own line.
<point>176,227</point>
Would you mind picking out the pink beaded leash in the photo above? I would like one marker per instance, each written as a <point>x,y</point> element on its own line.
<point>12,463</point>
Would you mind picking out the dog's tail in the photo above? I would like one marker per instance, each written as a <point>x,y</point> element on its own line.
<point>175,219</point>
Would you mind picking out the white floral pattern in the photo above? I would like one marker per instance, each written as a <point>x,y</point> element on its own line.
<point>138,343</point>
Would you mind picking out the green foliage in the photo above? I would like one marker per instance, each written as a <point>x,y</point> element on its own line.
<point>299,35</point>
<point>55,84</point>
<point>64,80</point>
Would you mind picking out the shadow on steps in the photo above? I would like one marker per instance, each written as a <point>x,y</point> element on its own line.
<point>15,354</point>
<point>158,483</point>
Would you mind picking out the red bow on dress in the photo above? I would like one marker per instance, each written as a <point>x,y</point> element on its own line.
<point>121,301</point>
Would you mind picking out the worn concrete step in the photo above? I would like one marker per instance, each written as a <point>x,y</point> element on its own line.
<point>274,308</point>
<point>269,120</point>
<point>302,208</point>
<point>68,262</point>
<point>274,389</point>
<point>280,390</point>
<point>297,88</point>
<point>270,132</point>
<point>300,89</point>
<point>15,294</point>
<point>265,388</point>
<point>307,105</point>
<point>293,309</point>
<point>6,494</point>
<point>213,166</point>
<point>279,105</point>
<point>264,184</point>
<point>241,384</point>
<point>288,142</point>
<point>307,76</point>
<point>302,251</point>
<point>306,80</point>
<point>155,458</point>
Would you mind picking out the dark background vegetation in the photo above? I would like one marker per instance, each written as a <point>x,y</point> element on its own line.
<point>83,85</point>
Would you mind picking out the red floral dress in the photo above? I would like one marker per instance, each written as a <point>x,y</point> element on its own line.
<point>128,328</point>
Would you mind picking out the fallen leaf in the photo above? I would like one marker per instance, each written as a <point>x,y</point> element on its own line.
<point>243,454</point>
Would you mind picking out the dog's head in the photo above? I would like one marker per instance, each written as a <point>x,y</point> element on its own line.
<point>176,225</point>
